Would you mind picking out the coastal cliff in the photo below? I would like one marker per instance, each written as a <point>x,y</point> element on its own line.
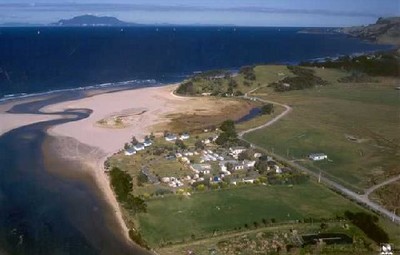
<point>385,31</point>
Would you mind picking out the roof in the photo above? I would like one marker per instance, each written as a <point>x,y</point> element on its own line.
<point>317,155</point>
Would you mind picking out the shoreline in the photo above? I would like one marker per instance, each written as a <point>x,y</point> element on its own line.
<point>158,103</point>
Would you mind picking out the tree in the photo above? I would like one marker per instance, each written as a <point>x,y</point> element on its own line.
<point>267,109</point>
<point>227,125</point>
<point>180,144</point>
<point>245,155</point>
<point>126,146</point>
<point>229,166</point>
<point>222,139</point>
<point>134,141</point>
<point>186,88</point>
<point>135,203</point>
<point>121,183</point>
<point>255,224</point>
<point>141,178</point>
<point>199,144</point>
<point>232,83</point>
<point>201,187</point>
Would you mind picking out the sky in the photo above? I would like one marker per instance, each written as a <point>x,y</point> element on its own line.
<point>299,13</point>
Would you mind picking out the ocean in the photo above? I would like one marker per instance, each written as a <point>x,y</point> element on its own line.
<point>39,60</point>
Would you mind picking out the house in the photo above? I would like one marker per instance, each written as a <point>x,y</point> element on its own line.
<point>185,160</point>
<point>278,170</point>
<point>130,152</point>
<point>139,147</point>
<point>248,163</point>
<point>238,167</point>
<point>171,137</point>
<point>184,136</point>
<point>170,157</point>
<point>248,180</point>
<point>317,156</point>
<point>201,168</point>
<point>257,155</point>
<point>223,167</point>
<point>206,141</point>
<point>236,151</point>
<point>147,143</point>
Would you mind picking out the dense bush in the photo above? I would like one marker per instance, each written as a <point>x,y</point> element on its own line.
<point>305,78</point>
<point>186,88</point>
<point>137,238</point>
<point>383,64</point>
<point>369,225</point>
<point>121,183</point>
<point>229,133</point>
<point>248,72</point>
<point>267,109</point>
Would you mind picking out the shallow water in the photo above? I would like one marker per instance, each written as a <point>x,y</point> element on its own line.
<point>43,213</point>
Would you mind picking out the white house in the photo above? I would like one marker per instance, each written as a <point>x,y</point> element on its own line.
<point>147,143</point>
<point>249,164</point>
<point>248,180</point>
<point>238,167</point>
<point>317,156</point>
<point>130,152</point>
<point>257,155</point>
<point>171,137</point>
<point>223,167</point>
<point>236,151</point>
<point>184,136</point>
<point>185,160</point>
<point>139,147</point>
<point>278,170</point>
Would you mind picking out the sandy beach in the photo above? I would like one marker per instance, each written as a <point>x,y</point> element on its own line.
<point>91,140</point>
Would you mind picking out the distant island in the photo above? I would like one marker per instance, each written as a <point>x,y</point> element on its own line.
<point>91,20</point>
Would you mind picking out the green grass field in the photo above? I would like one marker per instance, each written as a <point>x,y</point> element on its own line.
<point>324,118</point>
<point>175,218</point>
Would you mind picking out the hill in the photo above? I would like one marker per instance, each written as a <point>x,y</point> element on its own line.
<point>385,30</point>
<point>91,20</point>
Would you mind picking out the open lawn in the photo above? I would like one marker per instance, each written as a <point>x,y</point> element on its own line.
<point>174,218</point>
<point>355,124</point>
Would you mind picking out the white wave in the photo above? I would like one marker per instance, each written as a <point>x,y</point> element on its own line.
<point>133,83</point>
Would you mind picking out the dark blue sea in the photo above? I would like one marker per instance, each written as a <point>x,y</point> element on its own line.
<point>51,58</point>
<point>47,204</point>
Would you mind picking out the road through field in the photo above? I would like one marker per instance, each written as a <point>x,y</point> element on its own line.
<point>361,199</point>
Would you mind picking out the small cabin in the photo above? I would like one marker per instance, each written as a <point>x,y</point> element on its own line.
<point>317,156</point>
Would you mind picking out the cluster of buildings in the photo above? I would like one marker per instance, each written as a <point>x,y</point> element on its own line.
<point>172,137</point>
<point>138,147</point>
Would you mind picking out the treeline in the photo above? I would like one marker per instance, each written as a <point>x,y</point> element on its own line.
<point>384,64</point>
<point>122,185</point>
<point>186,88</point>
<point>248,73</point>
<point>305,78</point>
<point>217,83</point>
<point>369,225</point>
